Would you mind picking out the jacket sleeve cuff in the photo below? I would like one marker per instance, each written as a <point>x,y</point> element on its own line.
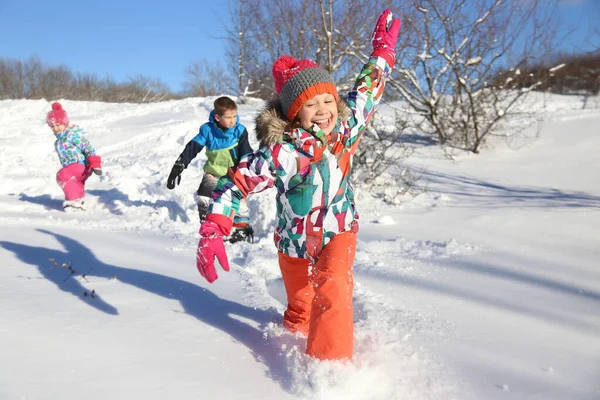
<point>222,221</point>
<point>388,55</point>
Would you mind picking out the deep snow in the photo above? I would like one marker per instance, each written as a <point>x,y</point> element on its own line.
<point>487,286</point>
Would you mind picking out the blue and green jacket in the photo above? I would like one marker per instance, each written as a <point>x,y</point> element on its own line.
<point>224,148</point>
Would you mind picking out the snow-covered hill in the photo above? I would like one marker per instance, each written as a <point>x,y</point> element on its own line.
<point>485,287</point>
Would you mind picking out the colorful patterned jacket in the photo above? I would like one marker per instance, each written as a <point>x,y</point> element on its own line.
<point>223,148</point>
<point>73,147</point>
<point>315,198</point>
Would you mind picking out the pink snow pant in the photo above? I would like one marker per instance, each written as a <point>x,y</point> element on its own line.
<point>71,180</point>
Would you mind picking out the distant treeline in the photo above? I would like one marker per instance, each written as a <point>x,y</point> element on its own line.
<point>32,79</point>
<point>564,74</point>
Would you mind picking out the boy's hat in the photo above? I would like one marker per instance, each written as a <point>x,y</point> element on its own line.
<point>57,115</point>
<point>297,81</point>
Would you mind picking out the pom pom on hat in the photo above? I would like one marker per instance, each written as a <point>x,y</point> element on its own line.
<point>57,115</point>
<point>297,81</point>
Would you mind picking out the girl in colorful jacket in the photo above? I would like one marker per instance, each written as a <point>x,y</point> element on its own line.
<point>76,155</point>
<point>307,140</point>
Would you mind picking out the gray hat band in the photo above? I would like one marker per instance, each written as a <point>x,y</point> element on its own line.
<point>298,83</point>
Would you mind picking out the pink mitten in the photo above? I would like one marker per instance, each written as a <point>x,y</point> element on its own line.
<point>384,37</point>
<point>95,162</point>
<point>210,246</point>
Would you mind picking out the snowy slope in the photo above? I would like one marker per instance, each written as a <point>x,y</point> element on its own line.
<point>485,287</point>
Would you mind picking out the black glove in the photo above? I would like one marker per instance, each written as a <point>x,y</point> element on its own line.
<point>97,171</point>
<point>175,175</point>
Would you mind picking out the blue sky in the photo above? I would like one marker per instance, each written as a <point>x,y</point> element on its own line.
<point>154,38</point>
<point>119,38</point>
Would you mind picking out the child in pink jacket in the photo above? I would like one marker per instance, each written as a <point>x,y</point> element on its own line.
<point>76,155</point>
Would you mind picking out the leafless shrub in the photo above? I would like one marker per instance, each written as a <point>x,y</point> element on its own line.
<point>381,157</point>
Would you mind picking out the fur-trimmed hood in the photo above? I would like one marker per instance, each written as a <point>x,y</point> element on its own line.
<point>271,123</point>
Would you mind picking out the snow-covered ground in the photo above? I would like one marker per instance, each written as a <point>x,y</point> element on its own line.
<point>485,287</point>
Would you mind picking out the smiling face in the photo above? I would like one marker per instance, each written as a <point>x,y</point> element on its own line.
<point>58,128</point>
<point>320,110</point>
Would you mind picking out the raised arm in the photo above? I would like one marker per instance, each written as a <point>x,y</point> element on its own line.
<point>368,89</point>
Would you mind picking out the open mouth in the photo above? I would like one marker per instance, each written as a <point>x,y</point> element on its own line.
<point>322,123</point>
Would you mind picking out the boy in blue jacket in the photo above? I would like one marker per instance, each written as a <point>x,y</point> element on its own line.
<point>226,142</point>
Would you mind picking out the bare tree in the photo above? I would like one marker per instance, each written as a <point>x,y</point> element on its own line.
<point>241,52</point>
<point>147,90</point>
<point>11,79</point>
<point>336,34</point>
<point>56,82</point>
<point>87,87</point>
<point>206,78</point>
<point>326,31</point>
<point>451,50</point>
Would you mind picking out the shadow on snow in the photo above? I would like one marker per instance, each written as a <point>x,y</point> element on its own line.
<point>196,301</point>
<point>109,199</point>
<point>490,194</point>
<point>499,299</point>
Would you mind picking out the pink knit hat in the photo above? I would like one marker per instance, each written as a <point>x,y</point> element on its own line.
<point>297,81</point>
<point>57,116</point>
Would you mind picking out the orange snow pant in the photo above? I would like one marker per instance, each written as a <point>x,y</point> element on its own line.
<point>320,299</point>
